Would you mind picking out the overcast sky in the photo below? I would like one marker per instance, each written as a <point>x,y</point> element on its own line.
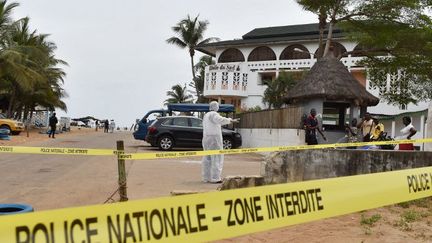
<point>120,66</point>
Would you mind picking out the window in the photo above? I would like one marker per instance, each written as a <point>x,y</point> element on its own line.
<point>262,53</point>
<point>295,52</point>
<point>338,50</point>
<point>197,123</point>
<point>334,115</point>
<point>180,121</point>
<point>167,122</point>
<point>231,55</point>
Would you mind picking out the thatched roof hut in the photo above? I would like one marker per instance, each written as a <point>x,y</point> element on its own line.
<point>330,80</point>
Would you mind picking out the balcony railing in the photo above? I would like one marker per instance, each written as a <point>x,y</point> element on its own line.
<point>231,79</point>
<point>226,79</point>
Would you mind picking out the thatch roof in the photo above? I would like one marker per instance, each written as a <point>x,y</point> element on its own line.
<point>330,79</point>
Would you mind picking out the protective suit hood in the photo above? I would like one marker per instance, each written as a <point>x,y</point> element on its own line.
<point>213,106</point>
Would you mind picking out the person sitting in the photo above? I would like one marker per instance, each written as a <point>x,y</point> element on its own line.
<point>351,131</point>
<point>378,130</point>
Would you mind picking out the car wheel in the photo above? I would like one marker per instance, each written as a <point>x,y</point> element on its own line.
<point>5,127</point>
<point>166,142</point>
<point>227,143</point>
<point>15,132</point>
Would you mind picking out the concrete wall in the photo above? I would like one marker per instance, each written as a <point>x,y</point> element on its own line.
<point>305,165</point>
<point>254,138</point>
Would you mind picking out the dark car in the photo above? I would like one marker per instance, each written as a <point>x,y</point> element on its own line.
<point>185,131</point>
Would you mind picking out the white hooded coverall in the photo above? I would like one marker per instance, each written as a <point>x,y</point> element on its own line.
<point>212,140</point>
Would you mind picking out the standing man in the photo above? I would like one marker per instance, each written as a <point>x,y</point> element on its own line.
<point>367,125</point>
<point>112,126</point>
<point>311,127</point>
<point>212,140</point>
<point>53,125</point>
<point>106,125</point>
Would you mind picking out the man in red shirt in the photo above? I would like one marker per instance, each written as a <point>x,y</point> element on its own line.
<point>312,126</point>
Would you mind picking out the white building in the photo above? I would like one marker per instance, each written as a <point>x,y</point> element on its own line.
<point>243,64</point>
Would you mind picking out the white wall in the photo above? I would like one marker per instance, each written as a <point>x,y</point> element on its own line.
<point>256,138</point>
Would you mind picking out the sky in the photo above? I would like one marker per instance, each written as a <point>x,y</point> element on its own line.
<point>120,65</point>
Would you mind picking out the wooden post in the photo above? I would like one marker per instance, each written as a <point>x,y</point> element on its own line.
<point>26,126</point>
<point>122,182</point>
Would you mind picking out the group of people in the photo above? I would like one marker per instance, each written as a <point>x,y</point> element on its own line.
<point>109,126</point>
<point>371,130</point>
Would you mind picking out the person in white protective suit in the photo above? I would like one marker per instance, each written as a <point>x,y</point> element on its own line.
<point>212,140</point>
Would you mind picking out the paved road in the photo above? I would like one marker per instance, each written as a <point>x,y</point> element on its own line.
<point>51,181</point>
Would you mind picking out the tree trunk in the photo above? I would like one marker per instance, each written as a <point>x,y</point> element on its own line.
<point>322,18</point>
<point>428,146</point>
<point>26,112</point>
<point>329,38</point>
<point>9,112</point>
<point>192,52</point>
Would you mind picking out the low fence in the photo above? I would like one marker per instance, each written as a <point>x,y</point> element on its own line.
<point>288,117</point>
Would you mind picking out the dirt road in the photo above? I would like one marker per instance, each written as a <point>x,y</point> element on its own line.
<point>49,182</point>
<point>52,181</point>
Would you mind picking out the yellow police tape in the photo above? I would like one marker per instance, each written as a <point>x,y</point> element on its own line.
<point>150,155</point>
<point>218,215</point>
<point>137,156</point>
<point>53,150</point>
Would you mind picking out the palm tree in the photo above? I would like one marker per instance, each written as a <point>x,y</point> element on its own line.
<point>29,71</point>
<point>178,94</point>
<point>189,34</point>
<point>277,88</point>
<point>200,79</point>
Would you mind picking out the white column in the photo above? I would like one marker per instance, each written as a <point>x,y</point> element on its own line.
<point>393,130</point>
<point>422,126</point>
<point>422,130</point>
<point>428,146</point>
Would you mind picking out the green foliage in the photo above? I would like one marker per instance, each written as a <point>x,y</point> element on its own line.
<point>254,109</point>
<point>370,221</point>
<point>277,88</point>
<point>30,75</point>
<point>399,31</point>
<point>200,78</point>
<point>178,94</point>
<point>411,216</point>
<point>189,34</point>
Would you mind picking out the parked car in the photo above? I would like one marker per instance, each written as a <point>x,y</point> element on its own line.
<point>185,131</point>
<point>15,127</point>
<point>148,119</point>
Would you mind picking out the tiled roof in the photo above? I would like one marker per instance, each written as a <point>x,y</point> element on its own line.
<point>276,34</point>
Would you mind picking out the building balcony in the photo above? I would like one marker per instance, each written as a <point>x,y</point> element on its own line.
<point>231,79</point>
<point>226,79</point>
<point>349,62</point>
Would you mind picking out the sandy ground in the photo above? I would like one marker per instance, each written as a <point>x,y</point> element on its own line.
<point>57,182</point>
<point>38,134</point>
